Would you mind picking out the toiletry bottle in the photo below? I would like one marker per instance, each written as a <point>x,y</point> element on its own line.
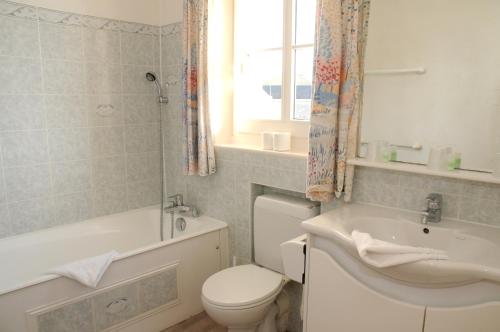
<point>394,153</point>
<point>457,160</point>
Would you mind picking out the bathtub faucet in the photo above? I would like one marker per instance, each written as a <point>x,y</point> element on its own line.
<point>176,200</point>
<point>176,205</point>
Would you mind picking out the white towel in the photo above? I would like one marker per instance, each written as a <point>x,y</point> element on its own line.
<point>384,254</point>
<point>88,271</point>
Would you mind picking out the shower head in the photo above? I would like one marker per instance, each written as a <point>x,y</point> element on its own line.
<point>150,76</point>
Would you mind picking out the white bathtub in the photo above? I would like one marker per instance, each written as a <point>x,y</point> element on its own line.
<point>25,291</point>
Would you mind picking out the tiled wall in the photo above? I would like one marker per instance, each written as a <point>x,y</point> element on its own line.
<point>79,124</point>
<point>92,314</point>
<point>463,200</point>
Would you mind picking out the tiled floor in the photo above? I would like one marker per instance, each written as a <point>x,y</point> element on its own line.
<point>198,323</point>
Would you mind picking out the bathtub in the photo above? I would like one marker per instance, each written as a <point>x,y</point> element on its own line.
<point>150,286</point>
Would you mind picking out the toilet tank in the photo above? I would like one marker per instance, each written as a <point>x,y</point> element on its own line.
<point>277,219</point>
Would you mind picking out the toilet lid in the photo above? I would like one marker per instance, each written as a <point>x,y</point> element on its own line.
<point>241,285</point>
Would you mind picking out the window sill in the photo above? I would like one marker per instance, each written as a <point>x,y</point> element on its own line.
<point>422,169</point>
<point>259,149</point>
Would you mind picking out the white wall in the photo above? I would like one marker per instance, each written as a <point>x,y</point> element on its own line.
<point>456,101</point>
<point>171,11</point>
<point>141,11</point>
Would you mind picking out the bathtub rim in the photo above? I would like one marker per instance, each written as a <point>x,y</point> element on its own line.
<point>216,225</point>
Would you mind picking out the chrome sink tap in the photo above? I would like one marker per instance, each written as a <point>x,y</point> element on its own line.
<point>433,211</point>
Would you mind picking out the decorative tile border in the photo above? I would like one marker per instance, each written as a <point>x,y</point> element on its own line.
<point>8,8</point>
<point>171,29</point>
<point>17,10</point>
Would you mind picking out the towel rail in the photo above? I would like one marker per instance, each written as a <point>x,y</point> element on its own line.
<point>403,71</point>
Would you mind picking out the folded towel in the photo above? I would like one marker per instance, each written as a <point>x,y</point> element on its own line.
<point>384,254</point>
<point>88,271</point>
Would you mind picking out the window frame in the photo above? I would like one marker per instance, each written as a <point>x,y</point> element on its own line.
<point>298,128</point>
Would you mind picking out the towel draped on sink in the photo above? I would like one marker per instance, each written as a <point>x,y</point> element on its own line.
<point>385,254</point>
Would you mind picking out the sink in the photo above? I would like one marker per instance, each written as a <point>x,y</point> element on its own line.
<point>473,249</point>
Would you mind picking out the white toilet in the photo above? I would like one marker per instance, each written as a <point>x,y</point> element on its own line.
<point>247,297</point>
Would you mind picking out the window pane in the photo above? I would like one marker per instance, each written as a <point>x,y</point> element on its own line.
<point>260,86</point>
<point>260,24</point>
<point>305,15</point>
<point>303,83</point>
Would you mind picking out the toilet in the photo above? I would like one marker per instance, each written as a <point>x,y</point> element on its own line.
<point>249,297</point>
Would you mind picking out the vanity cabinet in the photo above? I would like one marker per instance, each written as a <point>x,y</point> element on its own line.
<point>481,318</point>
<point>338,302</point>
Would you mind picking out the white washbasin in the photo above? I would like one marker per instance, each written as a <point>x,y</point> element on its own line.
<point>473,249</point>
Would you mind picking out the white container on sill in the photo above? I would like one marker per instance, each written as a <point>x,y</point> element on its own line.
<point>376,151</point>
<point>281,141</point>
<point>267,141</point>
<point>439,158</point>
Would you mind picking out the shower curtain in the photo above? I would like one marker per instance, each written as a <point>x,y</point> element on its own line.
<point>341,32</point>
<point>198,151</point>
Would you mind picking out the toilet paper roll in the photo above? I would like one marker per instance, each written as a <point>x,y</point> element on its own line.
<point>267,141</point>
<point>282,141</point>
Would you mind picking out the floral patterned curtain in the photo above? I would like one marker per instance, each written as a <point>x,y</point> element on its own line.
<point>341,32</point>
<point>199,156</point>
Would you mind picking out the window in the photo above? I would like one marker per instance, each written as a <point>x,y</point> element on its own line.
<point>273,62</point>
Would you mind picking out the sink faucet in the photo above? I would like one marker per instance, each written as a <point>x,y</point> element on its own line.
<point>434,204</point>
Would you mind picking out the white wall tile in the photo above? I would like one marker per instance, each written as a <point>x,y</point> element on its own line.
<point>28,182</point>
<point>63,77</point>
<point>137,49</point>
<point>27,216</point>
<point>19,37</point>
<point>20,75</point>
<point>101,46</point>
<point>24,148</point>
<point>103,78</point>
<point>105,110</point>
<point>71,177</point>
<point>109,172</point>
<point>109,200</point>
<point>68,144</point>
<point>65,111</point>
<point>21,112</point>
<point>5,224</point>
<point>107,141</point>
<point>53,36</point>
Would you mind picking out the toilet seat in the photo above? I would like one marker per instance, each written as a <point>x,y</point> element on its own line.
<point>242,287</point>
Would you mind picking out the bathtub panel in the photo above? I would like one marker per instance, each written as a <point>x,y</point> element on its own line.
<point>74,317</point>
<point>199,255</point>
<point>158,290</point>
<point>104,317</point>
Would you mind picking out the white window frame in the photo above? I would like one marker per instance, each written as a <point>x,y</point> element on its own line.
<point>298,128</point>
